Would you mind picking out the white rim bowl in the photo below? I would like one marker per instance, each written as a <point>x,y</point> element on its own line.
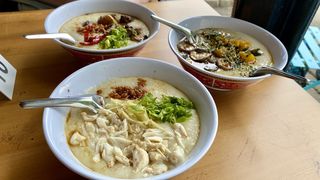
<point>81,80</point>
<point>63,13</point>
<point>272,43</point>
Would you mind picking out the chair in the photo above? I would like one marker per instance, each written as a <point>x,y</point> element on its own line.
<point>307,57</point>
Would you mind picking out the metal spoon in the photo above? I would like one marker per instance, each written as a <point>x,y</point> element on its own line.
<point>91,102</point>
<point>187,32</point>
<point>62,36</point>
<point>271,70</point>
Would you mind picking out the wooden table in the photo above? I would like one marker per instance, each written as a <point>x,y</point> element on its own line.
<point>267,131</point>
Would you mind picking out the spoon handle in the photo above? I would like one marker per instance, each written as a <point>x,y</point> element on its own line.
<point>304,81</point>
<point>187,32</point>
<point>63,36</point>
<point>52,102</point>
<point>78,102</point>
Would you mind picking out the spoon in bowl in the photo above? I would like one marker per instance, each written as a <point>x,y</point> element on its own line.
<point>187,32</point>
<point>62,36</point>
<point>271,70</point>
<point>90,102</point>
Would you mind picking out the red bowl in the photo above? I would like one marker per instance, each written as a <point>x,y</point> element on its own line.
<point>89,58</point>
<point>215,81</point>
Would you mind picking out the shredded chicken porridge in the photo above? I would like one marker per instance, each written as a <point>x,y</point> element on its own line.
<point>139,133</point>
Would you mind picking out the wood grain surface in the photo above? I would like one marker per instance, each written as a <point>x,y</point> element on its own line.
<point>266,131</point>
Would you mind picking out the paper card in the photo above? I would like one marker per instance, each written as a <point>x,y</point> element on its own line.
<point>7,78</point>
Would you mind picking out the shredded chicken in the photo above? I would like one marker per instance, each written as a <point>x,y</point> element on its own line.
<point>140,158</point>
<point>87,117</point>
<point>116,138</point>
<point>77,139</point>
<point>178,127</point>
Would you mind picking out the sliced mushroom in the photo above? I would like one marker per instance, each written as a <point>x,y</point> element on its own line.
<point>130,30</point>
<point>105,20</point>
<point>224,64</point>
<point>257,52</point>
<point>135,34</point>
<point>186,46</point>
<point>138,38</point>
<point>199,56</point>
<point>125,19</point>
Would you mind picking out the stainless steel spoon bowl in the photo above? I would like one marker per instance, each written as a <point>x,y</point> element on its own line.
<point>62,36</point>
<point>90,102</point>
<point>271,70</point>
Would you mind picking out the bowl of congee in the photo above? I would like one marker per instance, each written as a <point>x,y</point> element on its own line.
<point>226,51</point>
<point>157,120</point>
<point>102,29</point>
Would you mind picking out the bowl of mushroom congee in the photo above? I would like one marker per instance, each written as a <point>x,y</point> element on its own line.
<point>226,51</point>
<point>151,124</point>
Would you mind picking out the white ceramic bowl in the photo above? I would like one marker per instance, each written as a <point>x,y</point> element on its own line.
<point>80,81</point>
<point>62,14</point>
<point>214,81</point>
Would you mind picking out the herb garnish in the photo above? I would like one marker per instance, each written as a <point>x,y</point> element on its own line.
<point>118,37</point>
<point>167,109</point>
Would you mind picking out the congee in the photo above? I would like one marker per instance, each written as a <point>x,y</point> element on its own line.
<point>146,128</point>
<point>225,52</point>
<point>105,30</point>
